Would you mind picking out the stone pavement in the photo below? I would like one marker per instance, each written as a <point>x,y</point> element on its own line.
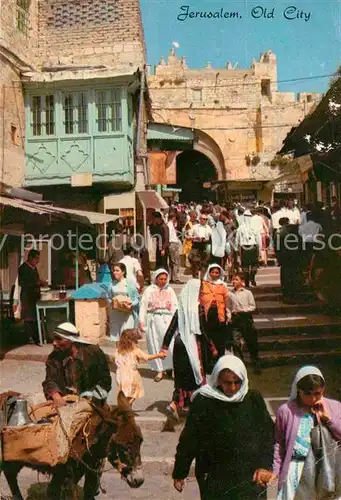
<point>158,449</point>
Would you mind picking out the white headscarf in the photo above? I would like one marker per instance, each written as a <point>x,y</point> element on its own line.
<point>189,324</point>
<point>218,240</point>
<point>156,274</point>
<point>207,276</point>
<point>236,366</point>
<point>303,372</point>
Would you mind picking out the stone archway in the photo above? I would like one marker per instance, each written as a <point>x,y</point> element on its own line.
<point>203,143</point>
<point>193,170</point>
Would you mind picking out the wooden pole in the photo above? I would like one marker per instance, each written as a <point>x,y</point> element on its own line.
<point>77,259</point>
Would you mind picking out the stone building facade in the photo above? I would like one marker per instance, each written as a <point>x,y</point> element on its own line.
<point>46,44</point>
<point>18,45</point>
<point>239,115</point>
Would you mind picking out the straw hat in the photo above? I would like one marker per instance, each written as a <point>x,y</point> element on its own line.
<point>68,331</point>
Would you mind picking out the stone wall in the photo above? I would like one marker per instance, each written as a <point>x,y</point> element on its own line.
<point>12,125</point>
<point>64,40</point>
<point>19,45</point>
<point>240,109</point>
<point>91,32</point>
<point>17,54</point>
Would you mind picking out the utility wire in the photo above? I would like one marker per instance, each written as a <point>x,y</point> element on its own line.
<point>244,84</point>
<point>251,126</point>
<point>237,110</point>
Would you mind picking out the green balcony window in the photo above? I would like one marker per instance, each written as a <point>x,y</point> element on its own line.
<point>43,115</point>
<point>109,110</point>
<point>75,112</point>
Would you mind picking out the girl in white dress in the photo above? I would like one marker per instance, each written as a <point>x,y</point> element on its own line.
<point>122,320</point>
<point>159,303</point>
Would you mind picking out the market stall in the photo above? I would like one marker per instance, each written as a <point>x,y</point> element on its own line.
<point>45,224</point>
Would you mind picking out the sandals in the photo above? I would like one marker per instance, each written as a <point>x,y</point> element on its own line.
<point>173,414</point>
<point>158,378</point>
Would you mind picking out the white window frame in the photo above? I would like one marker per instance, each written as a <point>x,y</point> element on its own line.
<point>76,105</point>
<point>43,115</point>
<point>112,100</point>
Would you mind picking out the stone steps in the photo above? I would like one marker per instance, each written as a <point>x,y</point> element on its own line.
<point>277,307</point>
<point>298,357</point>
<point>300,341</point>
<point>283,325</point>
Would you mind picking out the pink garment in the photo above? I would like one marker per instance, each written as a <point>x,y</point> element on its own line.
<point>287,422</point>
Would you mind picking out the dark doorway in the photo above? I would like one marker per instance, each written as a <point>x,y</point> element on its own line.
<point>193,169</point>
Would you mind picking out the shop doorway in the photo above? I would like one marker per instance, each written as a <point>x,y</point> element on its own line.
<point>193,171</point>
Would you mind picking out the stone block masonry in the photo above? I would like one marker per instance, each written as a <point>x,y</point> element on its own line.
<point>91,32</point>
<point>37,35</point>
<point>241,110</point>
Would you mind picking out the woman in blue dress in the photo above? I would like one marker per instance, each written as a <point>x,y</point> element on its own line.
<point>122,319</point>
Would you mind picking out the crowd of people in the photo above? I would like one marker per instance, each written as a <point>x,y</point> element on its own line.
<point>306,243</point>
<point>200,334</point>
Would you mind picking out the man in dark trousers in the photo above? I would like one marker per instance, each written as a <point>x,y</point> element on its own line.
<point>242,306</point>
<point>290,257</point>
<point>160,231</point>
<point>30,284</point>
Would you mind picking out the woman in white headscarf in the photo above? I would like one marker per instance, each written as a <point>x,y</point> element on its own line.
<point>202,315</point>
<point>229,432</point>
<point>158,305</point>
<point>214,316</point>
<point>295,419</point>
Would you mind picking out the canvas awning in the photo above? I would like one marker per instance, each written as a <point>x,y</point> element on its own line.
<point>152,199</point>
<point>82,216</point>
<point>164,132</point>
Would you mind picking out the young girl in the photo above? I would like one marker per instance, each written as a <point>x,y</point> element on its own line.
<point>127,358</point>
<point>294,421</point>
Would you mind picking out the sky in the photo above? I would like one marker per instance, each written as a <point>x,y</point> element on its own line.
<point>307,45</point>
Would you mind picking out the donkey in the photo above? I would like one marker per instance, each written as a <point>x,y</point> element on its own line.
<point>119,440</point>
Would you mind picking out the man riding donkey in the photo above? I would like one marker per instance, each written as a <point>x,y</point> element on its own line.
<point>78,368</point>
<point>75,366</point>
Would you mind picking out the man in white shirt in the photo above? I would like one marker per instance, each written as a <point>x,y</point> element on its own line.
<point>309,232</point>
<point>248,243</point>
<point>310,229</point>
<point>242,304</point>
<point>279,214</point>
<point>134,269</point>
<point>293,212</point>
<point>200,234</point>
<point>257,223</point>
<point>174,249</point>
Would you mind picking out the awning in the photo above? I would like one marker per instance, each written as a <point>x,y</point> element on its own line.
<point>152,199</point>
<point>86,216</point>
<point>163,132</point>
<point>82,216</point>
<point>20,204</point>
<point>119,201</point>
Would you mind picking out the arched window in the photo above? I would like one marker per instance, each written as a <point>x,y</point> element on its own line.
<point>23,15</point>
